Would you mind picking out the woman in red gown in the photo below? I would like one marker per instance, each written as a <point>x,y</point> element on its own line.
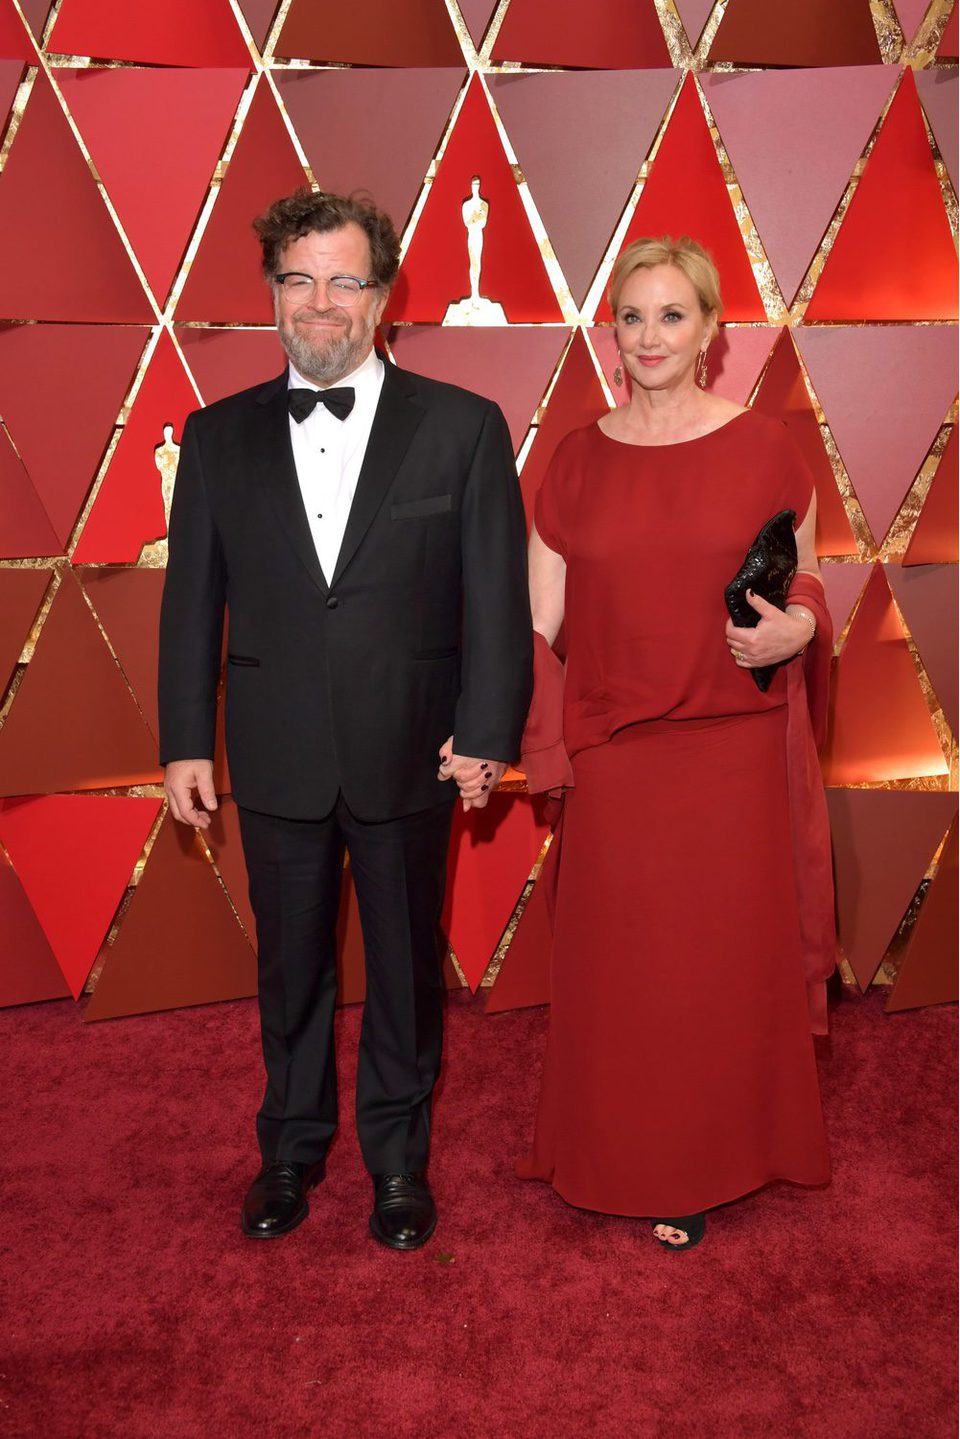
<point>680,1069</point>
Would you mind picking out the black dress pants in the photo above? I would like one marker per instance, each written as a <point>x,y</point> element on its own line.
<point>295,869</point>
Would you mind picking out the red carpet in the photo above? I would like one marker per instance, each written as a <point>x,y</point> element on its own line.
<point>134,1308</point>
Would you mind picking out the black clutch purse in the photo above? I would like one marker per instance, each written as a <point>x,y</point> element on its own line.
<point>767,570</point>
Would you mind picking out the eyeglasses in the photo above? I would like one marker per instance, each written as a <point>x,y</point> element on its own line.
<point>299,289</point>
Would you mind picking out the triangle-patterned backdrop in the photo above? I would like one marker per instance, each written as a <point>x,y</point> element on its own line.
<point>812,147</point>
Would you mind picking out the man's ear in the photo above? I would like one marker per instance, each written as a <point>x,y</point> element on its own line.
<point>381,305</point>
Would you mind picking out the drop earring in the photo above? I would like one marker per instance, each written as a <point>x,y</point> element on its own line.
<point>618,377</point>
<point>702,369</point>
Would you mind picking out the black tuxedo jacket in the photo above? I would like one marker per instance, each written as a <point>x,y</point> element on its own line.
<point>424,630</point>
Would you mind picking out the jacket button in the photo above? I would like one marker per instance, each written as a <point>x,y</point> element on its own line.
<point>332,602</point>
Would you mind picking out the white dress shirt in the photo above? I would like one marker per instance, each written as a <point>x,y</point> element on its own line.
<point>328,453</point>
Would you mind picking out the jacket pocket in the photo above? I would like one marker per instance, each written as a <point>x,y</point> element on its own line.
<point>416,509</point>
<point>243,660</point>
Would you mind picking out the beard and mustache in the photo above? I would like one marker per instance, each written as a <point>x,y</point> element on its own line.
<point>330,356</point>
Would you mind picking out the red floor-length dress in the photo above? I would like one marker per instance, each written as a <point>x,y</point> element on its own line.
<point>680,1069</point>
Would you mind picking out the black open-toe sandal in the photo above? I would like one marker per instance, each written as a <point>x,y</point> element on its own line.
<point>694,1227</point>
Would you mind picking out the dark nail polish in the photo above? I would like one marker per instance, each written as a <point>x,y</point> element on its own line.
<point>482,788</point>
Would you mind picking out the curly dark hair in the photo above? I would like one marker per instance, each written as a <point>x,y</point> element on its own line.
<point>307,211</point>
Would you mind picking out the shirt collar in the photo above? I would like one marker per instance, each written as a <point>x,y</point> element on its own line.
<point>362,378</point>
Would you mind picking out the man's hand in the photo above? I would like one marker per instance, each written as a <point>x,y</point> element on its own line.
<point>476,778</point>
<point>186,780</point>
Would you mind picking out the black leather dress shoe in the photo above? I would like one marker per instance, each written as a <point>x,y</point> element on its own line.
<point>404,1214</point>
<point>276,1201</point>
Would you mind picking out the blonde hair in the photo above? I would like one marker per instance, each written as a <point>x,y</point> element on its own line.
<point>685,254</point>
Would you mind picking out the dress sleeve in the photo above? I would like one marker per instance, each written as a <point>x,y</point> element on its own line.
<point>797,478</point>
<point>546,508</point>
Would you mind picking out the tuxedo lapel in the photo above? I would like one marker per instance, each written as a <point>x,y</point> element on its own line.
<point>272,460</point>
<point>394,426</point>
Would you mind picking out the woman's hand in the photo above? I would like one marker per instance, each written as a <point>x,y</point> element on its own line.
<point>778,637</point>
<point>476,779</point>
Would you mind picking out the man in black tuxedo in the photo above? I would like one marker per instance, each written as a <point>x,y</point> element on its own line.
<point>364,529</point>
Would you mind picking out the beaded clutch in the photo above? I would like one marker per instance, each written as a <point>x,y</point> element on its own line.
<point>768,570</point>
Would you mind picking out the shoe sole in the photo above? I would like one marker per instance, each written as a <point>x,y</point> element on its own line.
<point>394,1244</point>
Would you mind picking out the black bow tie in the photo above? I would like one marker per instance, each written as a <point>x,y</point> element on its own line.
<point>303,402</point>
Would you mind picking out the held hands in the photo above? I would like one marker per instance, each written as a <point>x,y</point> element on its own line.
<point>476,778</point>
<point>778,637</point>
<point>183,780</point>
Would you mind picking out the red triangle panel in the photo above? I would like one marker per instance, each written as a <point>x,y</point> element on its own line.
<point>21,595</point>
<point>686,194</point>
<point>380,32</point>
<point>74,855</point>
<point>14,40</point>
<point>934,538</point>
<point>412,106</point>
<point>885,390</point>
<point>436,269</point>
<point>25,528</point>
<point>89,368</point>
<point>524,977</point>
<point>937,88</point>
<point>90,278</point>
<point>577,399</point>
<point>558,124</point>
<point>843,586</point>
<point>11,73</point>
<point>225,282</point>
<point>928,970</point>
<point>896,214</point>
<point>618,35</point>
<point>883,841</point>
<point>36,14</point>
<point>796,32</point>
<point>793,138</point>
<point>129,509</point>
<point>910,13</point>
<point>491,855</point>
<point>509,364</point>
<point>225,361</point>
<point>127,602</point>
<point>783,393</point>
<point>879,727</point>
<point>179,894</point>
<point>259,15</point>
<point>73,724</point>
<point>477,14</point>
<point>28,969</point>
<point>950,39</point>
<point>151,32</point>
<point>927,596</point>
<point>155,137</point>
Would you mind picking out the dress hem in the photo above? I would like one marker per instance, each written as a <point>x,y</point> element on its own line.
<point>635,1213</point>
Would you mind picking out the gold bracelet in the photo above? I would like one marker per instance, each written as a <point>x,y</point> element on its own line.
<point>806,615</point>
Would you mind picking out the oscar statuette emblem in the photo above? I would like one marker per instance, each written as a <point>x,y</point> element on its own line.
<point>474,309</point>
<point>165,457</point>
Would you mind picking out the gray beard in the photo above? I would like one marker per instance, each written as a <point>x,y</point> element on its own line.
<point>339,356</point>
